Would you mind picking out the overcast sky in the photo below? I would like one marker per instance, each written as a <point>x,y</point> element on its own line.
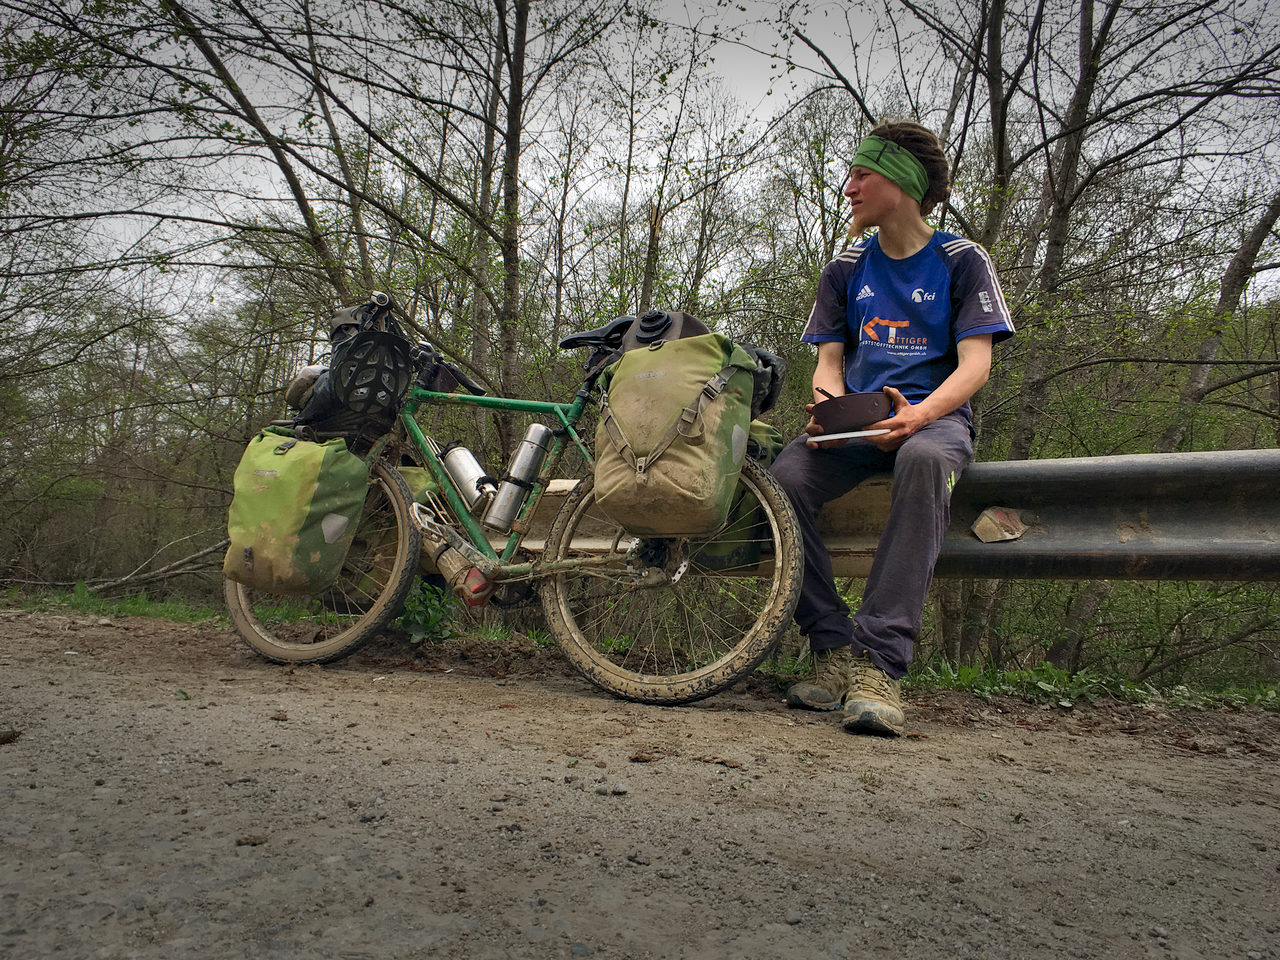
<point>746,67</point>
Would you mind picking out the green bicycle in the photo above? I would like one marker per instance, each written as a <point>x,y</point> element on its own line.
<point>655,620</point>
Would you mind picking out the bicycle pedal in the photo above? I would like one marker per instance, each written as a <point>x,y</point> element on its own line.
<point>426,522</point>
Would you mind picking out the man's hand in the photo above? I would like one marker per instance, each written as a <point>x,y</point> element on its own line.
<point>971,372</point>
<point>815,441</point>
<point>907,419</point>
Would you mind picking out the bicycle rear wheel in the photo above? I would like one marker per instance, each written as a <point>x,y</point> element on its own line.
<point>675,619</point>
<point>376,575</point>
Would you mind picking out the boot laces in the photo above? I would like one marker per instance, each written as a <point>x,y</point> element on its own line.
<point>833,669</point>
<point>869,682</point>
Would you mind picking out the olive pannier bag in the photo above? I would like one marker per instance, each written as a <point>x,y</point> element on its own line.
<point>673,434</point>
<point>740,546</point>
<point>294,511</point>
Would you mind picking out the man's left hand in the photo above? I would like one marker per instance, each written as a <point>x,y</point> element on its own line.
<point>907,419</point>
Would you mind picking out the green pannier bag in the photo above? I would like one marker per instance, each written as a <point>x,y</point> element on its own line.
<point>764,443</point>
<point>740,545</point>
<point>294,511</point>
<point>673,434</point>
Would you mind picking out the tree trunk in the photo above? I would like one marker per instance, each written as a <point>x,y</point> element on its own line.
<point>315,236</point>
<point>976,625</point>
<point>480,260</point>
<point>510,319</point>
<point>1234,281</point>
<point>950,596</point>
<point>1067,651</point>
<point>999,126</point>
<point>650,259</point>
<point>1063,176</point>
<point>355,194</point>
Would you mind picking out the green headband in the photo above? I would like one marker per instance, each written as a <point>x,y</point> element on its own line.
<point>896,162</point>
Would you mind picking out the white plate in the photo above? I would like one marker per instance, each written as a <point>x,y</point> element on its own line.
<point>848,436</point>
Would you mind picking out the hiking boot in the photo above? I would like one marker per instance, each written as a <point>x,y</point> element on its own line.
<point>826,690</point>
<point>874,702</point>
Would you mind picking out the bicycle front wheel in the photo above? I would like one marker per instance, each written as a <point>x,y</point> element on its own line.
<point>674,619</point>
<point>376,575</point>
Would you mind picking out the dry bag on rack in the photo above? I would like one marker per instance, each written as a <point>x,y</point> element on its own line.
<point>672,435</point>
<point>294,512</point>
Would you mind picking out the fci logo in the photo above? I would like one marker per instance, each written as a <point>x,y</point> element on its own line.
<point>919,296</point>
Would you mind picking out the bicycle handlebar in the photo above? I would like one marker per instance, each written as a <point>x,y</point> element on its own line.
<point>427,357</point>
<point>463,379</point>
<point>604,344</point>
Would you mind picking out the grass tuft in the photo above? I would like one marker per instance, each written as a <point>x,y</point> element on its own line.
<point>81,600</point>
<point>1048,684</point>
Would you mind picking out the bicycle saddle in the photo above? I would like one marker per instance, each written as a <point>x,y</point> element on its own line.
<point>610,335</point>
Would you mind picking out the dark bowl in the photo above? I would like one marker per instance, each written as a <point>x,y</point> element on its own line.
<point>853,411</point>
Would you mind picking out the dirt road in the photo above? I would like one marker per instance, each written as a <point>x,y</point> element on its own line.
<point>168,795</point>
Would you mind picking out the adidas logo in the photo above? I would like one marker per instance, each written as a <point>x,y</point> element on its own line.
<point>864,292</point>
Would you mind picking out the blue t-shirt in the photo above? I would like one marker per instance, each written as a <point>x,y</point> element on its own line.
<point>900,320</point>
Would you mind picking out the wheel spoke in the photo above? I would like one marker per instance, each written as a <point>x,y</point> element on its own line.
<point>698,612</point>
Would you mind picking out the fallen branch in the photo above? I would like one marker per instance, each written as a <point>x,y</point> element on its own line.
<point>1239,636</point>
<point>140,567</point>
<point>189,565</point>
<point>176,569</point>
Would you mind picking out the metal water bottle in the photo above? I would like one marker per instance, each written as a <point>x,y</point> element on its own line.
<point>515,486</point>
<point>471,479</point>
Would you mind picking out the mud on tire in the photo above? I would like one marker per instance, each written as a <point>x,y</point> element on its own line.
<point>673,620</point>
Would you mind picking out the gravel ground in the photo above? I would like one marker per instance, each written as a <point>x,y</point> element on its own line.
<point>167,794</point>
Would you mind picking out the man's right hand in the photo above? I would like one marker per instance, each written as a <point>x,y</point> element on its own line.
<point>815,441</point>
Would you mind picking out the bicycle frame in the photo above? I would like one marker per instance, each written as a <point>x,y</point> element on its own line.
<point>566,414</point>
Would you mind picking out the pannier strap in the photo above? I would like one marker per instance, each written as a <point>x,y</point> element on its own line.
<point>688,425</point>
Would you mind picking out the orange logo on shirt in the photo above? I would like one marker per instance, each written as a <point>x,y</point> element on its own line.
<point>869,328</point>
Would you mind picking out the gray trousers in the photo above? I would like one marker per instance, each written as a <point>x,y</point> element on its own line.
<point>925,468</point>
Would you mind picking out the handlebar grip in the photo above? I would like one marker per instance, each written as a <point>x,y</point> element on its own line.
<point>428,359</point>
<point>462,378</point>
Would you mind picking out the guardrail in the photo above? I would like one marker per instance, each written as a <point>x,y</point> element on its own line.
<point>1185,516</point>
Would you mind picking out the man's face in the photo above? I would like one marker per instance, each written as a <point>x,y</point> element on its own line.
<point>872,196</point>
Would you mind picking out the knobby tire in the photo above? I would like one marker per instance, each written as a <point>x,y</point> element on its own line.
<point>641,628</point>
